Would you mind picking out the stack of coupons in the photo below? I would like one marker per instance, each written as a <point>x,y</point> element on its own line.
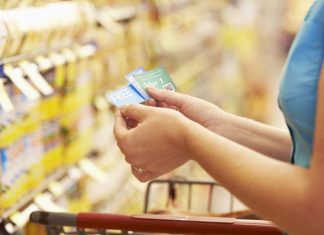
<point>139,80</point>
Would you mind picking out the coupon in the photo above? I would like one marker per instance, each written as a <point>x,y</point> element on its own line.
<point>158,78</point>
<point>139,79</point>
<point>132,80</point>
<point>125,95</point>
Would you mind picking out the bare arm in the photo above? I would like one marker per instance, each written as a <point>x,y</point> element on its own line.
<point>273,189</point>
<point>270,141</point>
<point>290,196</point>
<point>262,138</point>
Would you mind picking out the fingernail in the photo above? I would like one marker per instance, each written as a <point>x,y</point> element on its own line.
<point>150,102</point>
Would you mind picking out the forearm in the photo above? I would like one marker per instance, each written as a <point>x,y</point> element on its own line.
<point>273,189</point>
<point>267,140</point>
<point>259,137</point>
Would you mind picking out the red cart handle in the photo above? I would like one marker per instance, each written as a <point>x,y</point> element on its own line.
<point>177,224</point>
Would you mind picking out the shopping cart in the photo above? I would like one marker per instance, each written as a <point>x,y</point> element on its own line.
<point>100,223</point>
<point>173,190</point>
<point>175,187</point>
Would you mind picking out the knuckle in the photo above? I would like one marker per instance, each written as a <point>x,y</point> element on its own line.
<point>186,99</point>
<point>128,159</point>
<point>123,143</point>
<point>143,178</point>
<point>165,93</point>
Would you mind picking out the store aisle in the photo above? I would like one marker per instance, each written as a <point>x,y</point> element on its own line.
<point>60,60</point>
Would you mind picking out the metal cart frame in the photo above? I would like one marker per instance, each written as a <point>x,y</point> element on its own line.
<point>189,183</point>
<point>104,224</point>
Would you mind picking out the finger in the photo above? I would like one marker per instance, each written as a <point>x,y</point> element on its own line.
<point>143,176</point>
<point>120,126</point>
<point>136,112</point>
<point>151,102</point>
<point>169,97</point>
<point>165,105</point>
<point>161,104</point>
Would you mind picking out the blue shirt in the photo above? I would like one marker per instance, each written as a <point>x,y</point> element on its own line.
<point>298,91</point>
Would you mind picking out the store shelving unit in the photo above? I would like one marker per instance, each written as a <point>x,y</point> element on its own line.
<point>32,180</point>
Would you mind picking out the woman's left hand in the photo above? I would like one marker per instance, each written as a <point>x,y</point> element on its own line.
<point>157,144</point>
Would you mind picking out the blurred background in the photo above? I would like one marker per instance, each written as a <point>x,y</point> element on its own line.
<point>60,58</point>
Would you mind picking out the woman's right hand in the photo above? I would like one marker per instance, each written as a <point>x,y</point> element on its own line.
<point>206,114</point>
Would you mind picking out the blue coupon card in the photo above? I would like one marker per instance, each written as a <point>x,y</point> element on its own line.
<point>132,80</point>
<point>125,95</point>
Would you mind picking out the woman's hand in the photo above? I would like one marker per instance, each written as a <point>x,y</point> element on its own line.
<point>157,144</point>
<point>206,114</point>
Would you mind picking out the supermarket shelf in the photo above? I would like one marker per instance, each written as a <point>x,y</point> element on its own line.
<point>31,55</point>
<point>29,197</point>
<point>57,184</point>
<point>41,198</point>
<point>39,52</point>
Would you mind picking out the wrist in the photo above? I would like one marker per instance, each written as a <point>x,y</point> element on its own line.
<point>223,123</point>
<point>192,134</point>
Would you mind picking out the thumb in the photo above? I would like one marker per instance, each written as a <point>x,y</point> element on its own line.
<point>169,97</point>
<point>136,112</point>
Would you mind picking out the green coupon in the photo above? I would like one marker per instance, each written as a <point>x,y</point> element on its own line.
<point>158,78</point>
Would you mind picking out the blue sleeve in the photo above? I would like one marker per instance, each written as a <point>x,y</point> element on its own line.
<point>305,58</point>
<point>316,13</point>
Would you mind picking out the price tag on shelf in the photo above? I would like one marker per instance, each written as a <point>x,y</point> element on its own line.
<point>89,168</point>
<point>22,218</point>
<point>59,62</point>
<point>75,174</point>
<point>46,203</point>
<point>5,101</point>
<point>36,77</point>
<point>44,63</point>
<point>72,68</point>
<point>85,51</point>
<point>16,76</point>
<point>69,55</point>
<point>56,188</point>
<point>57,58</point>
